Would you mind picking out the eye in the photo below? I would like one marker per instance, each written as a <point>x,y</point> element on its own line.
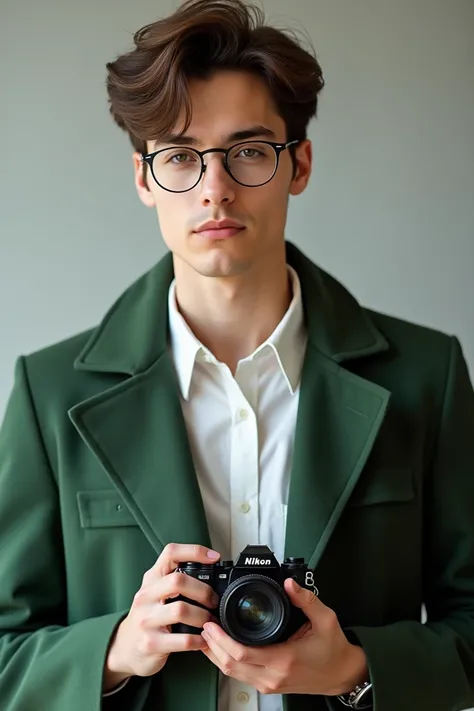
<point>184,156</point>
<point>253,151</point>
<point>176,156</point>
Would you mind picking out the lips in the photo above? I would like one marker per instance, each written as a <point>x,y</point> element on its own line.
<point>219,225</point>
<point>219,229</point>
<point>223,233</point>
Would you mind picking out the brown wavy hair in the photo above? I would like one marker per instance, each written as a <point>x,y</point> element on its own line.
<point>148,86</point>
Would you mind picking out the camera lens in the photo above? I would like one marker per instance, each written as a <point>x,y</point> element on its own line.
<point>254,610</point>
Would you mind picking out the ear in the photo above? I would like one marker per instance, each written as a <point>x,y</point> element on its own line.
<point>304,160</point>
<point>142,178</point>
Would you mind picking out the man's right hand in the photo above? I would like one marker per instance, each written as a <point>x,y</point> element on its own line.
<point>143,640</point>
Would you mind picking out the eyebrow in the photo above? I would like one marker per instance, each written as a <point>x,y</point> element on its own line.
<point>177,139</point>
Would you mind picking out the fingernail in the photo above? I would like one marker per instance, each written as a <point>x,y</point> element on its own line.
<point>294,586</point>
<point>212,554</point>
<point>205,636</point>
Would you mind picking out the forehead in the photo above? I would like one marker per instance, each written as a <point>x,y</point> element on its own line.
<point>228,101</point>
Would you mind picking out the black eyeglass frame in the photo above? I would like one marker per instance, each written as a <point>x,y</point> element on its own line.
<point>277,147</point>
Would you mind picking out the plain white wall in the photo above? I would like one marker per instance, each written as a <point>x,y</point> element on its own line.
<point>389,210</point>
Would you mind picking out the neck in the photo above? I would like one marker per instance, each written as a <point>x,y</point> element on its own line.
<point>234,316</point>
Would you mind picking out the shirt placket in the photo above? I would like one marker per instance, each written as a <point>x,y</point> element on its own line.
<point>244,485</point>
<point>244,463</point>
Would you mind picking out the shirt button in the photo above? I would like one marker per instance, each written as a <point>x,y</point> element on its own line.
<point>243,697</point>
<point>245,507</point>
<point>243,414</point>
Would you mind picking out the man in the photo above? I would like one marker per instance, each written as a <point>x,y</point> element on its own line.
<point>236,394</point>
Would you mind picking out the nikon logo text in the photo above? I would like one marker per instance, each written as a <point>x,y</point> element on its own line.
<point>257,561</point>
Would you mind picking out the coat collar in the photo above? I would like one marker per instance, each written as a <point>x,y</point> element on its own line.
<point>134,332</point>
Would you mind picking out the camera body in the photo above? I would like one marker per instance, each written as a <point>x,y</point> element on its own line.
<point>254,608</point>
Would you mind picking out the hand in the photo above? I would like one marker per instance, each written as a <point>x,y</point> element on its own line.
<point>143,640</point>
<point>317,659</point>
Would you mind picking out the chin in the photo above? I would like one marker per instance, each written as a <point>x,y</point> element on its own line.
<point>220,265</point>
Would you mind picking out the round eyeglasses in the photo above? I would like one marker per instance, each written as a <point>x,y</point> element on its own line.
<point>252,164</point>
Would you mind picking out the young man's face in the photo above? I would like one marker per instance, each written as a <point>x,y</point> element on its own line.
<point>227,102</point>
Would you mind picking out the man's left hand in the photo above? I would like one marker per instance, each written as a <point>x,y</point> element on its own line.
<point>317,659</point>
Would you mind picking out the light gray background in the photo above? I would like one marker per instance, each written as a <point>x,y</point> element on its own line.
<point>389,210</point>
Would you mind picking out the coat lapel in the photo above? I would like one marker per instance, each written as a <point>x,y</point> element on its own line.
<point>137,432</point>
<point>136,429</point>
<point>339,417</point>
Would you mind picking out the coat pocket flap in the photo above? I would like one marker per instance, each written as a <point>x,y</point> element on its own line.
<point>98,509</point>
<point>385,485</point>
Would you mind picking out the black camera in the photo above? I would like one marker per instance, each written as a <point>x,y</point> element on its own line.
<point>254,608</point>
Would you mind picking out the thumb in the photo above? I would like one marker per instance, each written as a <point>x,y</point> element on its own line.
<point>303,598</point>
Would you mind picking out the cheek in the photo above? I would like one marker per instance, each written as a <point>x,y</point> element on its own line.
<point>174,215</point>
<point>274,205</point>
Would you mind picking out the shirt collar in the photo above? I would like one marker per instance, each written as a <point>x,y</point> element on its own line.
<point>288,340</point>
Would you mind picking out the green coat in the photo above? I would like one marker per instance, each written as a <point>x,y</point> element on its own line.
<point>96,476</point>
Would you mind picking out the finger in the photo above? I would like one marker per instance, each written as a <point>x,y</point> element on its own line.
<point>246,673</point>
<point>305,599</point>
<point>220,658</point>
<point>179,612</point>
<point>214,659</point>
<point>175,554</point>
<point>259,656</point>
<point>175,584</point>
<point>168,643</point>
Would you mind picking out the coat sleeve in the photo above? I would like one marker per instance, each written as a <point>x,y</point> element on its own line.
<point>430,667</point>
<point>44,663</point>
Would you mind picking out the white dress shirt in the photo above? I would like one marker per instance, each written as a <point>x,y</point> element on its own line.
<point>241,432</point>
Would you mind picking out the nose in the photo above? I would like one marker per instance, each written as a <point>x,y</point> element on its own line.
<point>217,186</point>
